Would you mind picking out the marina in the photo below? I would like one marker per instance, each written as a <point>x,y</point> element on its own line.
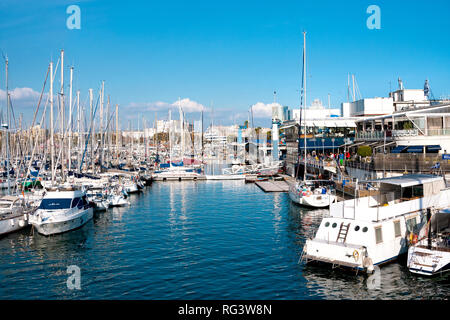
<point>184,240</point>
<point>213,151</point>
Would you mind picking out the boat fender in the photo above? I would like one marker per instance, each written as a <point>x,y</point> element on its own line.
<point>12,222</point>
<point>368,264</point>
<point>21,223</point>
<point>356,255</point>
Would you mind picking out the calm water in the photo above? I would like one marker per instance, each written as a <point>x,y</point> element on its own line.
<point>193,240</point>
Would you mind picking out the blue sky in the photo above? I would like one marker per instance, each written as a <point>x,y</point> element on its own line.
<point>229,54</point>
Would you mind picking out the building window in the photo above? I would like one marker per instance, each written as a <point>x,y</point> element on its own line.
<point>378,235</point>
<point>397,229</point>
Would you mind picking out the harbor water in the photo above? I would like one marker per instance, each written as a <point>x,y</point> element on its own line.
<point>194,240</point>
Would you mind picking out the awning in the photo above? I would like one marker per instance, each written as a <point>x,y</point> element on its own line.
<point>415,149</point>
<point>433,148</point>
<point>409,180</point>
<point>385,145</point>
<point>352,144</point>
<point>399,149</point>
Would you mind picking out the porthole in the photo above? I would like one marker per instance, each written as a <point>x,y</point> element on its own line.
<point>334,225</point>
<point>357,228</point>
<point>327,224</point>
<point>365,229</point>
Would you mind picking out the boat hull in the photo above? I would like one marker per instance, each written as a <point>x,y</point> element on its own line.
<point>12,224</point>
<point>56,227</point>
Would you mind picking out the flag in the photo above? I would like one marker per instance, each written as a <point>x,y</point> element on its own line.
<point>436,166</point>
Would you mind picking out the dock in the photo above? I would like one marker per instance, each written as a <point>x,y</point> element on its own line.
<point>273,186</point>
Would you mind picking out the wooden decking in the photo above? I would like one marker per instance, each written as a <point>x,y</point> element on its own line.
<point>273,186</point>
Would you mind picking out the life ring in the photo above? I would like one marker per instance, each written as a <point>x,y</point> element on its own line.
<point>356,255</point>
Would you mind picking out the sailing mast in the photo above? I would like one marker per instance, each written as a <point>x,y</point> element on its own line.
<point>70,119</point>
<point>62,114</point>
<point>79,127</point>
<point>92,126</point>
<point>8,122</point>
<point>304,99</point>
<point>102,101</point>
<point>52,141</point>
<point>117,133</point>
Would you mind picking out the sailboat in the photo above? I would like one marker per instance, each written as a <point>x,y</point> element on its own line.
<point>310,193</point>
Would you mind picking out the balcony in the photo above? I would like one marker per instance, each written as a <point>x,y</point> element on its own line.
<point>390,134</point>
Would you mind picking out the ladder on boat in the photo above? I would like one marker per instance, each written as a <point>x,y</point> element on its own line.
<point>343,231</point>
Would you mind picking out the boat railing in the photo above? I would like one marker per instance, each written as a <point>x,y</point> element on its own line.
<point>384,206</point>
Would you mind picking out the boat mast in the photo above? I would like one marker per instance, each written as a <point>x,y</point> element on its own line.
<point>304,98</point>
<point>170,142</point>
<point>79,127</point>
<point>102,101</point>
<point>62,113</point>
<point>8,120</point>
<point>92,126</point>
<point>117,133</point>
<point>52,139</point>
<point>70,119</point>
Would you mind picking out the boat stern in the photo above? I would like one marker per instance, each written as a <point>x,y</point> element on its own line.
<point>336,254</point>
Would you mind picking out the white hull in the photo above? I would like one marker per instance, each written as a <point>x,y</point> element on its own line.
<point>131,188</point>
<point>13,223</point>
<point>428,262</point>
<point>117,201</point>
<point>226,177</point>
<point>60,225</point>
<point>361,233</point>
<point>313,200</point>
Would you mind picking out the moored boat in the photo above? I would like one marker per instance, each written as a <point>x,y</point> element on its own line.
<point>62,211</point>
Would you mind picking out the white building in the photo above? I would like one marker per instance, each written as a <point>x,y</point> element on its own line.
<point>316,111</point>
<point>399,100</point>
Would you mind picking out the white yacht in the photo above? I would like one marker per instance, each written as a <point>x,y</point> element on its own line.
<point>312,193</point>
<point>430,255</point>
<point>13,214</point>
<point>62,211</point>
<point>374,229</point>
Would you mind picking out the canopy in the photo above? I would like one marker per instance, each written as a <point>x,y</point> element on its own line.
<point>433,148</point>
<point>409,180</point>
<point>399,149</point>
<point>415,149</point>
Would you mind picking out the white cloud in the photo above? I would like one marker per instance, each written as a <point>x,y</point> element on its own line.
<point>262,110</point>
<point>186,104</point>
<point>22,97</point>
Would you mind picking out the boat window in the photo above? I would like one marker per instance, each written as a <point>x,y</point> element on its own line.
<point>413,192</point>
<point>54,204</point>
<point>378,235</point>
<point>334,225</point>
<point>410,224</point>
<point>357,228</point>
<point>76,202</point>
<point>397,229</point>
<point>327,224</point>
<point>365,229</point>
